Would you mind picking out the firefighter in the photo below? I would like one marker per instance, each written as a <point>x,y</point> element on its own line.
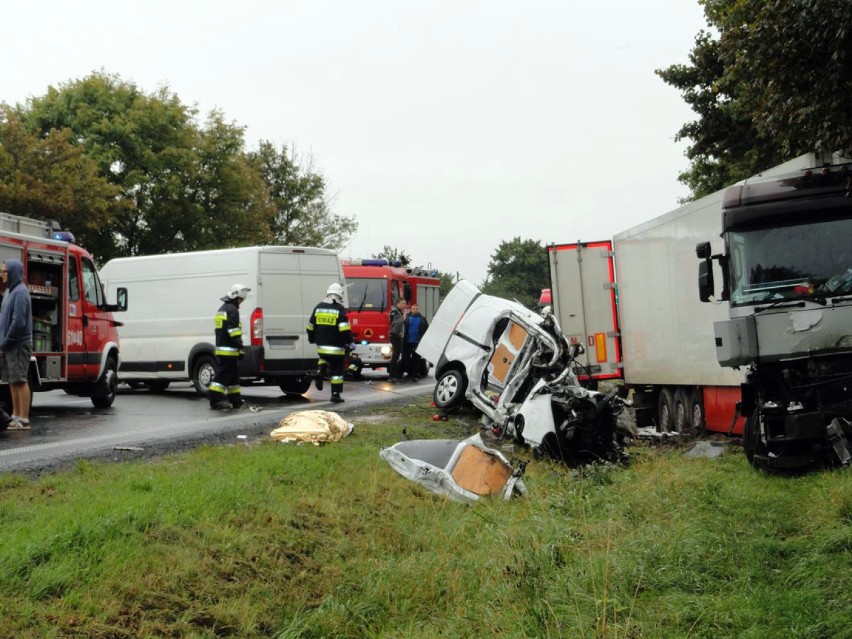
<point>329,330</point>
<point>225,388</point>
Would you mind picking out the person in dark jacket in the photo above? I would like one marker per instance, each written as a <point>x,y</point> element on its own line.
<point>415,328</point>
<point>225,391</point>
<point>396,332</point>
<point>16,343</point>
<point>329,330</point>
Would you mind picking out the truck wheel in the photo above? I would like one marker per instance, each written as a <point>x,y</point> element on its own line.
<point>755,450</point>
<point>203,372</point>
<point>296,385</point>
<point>105,388</point>
<point>449,390</point>
<point>696,409</point>
<point>665,411</point>
<point>682,413</point>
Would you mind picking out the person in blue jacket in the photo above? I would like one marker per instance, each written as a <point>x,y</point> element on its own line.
<point>415,328</point>
<point>16,342</point>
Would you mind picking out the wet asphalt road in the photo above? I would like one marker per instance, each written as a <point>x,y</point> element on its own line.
<point>66,428</point>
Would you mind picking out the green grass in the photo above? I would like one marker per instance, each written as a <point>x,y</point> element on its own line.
<point>288,541</point>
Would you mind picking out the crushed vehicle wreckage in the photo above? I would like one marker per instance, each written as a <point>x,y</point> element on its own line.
<point>517,368</point>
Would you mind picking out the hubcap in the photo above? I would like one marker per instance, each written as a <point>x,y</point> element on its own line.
<point>447,389</point>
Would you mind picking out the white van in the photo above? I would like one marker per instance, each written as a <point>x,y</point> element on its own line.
<point>167,335</point>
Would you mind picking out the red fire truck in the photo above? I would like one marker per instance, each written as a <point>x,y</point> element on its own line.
<point>374,286</point>
<point>75,342</point>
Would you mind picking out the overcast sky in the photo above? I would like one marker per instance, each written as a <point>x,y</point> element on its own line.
<point>444,127</point>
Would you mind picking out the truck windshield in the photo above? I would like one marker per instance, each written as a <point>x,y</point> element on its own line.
<point>367,294</point>
<point>790,262</point>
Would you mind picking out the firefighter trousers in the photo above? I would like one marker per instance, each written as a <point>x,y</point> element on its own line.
<point>334,365</point>
<point>226,382</point>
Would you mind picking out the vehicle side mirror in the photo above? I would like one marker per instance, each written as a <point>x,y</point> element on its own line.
<point>706,285</point>
<point>406,292</point>
<point>121,301</point>
<point>702,250</point>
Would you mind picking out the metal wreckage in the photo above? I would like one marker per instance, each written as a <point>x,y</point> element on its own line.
<point>517,368</point>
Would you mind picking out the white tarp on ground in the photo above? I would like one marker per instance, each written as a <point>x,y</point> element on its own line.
<point>461,470</point>
<point>313,426</point>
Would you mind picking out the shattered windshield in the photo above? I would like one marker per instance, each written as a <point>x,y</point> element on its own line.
<point>367,294</point>
<point>791,262</point>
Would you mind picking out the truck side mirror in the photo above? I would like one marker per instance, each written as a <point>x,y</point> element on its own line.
<point>702,250</point>
<point>706,285</point>
<point>121,301</point>
<point>121,298</point>
<point>406,291</point>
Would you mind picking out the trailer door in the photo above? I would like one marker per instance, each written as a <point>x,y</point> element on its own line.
<point>582,282</point>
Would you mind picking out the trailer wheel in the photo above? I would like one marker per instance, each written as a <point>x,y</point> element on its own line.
<point>449,390</point>
<point>696,409</point>
<point>665,411</point>
<point>203,371</point>
<point>682,412</point>
<point>106,387</point>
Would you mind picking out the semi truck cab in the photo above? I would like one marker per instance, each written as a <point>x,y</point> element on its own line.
<point>787,279</point>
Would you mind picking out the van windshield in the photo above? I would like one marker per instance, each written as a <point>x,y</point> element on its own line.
<point>367,294</point>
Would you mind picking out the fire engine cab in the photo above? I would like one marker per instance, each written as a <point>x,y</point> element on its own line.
<point>75,343</point>
<point>374,286</point>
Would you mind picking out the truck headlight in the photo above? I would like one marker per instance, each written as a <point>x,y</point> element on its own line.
<point>385,350</point>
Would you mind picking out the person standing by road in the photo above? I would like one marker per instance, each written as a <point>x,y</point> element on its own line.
<point>225,391</point>
<point>415,327</point>
<point>329,330</point>
<point>396,334</point>
<point>16,341</point>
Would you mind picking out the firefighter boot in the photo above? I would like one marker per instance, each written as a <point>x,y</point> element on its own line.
<point>336,398</point>
<point>319,375</point>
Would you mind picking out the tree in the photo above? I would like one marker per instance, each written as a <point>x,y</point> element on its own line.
<point>518,270</point>
<point>301,214</point>
<point>51,178</point>
<point>773,81</point>
<point>393,254</point>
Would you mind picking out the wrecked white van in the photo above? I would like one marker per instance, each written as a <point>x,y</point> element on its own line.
<point>516,367</point>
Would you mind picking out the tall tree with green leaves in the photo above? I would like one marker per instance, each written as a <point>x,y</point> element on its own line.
<point>393,254</point>
<point>50,177</point>
<point>769,81</point>
<point>301,213</point>
<point>518,270</point>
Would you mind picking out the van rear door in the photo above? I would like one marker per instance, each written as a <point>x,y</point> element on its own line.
<point>444,322</point>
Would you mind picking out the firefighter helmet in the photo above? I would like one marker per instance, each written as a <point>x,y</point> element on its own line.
<point>336,290</point>
<point>239,291</point>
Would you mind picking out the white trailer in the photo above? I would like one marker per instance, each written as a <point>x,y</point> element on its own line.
<point>168,335</point>
<point>633,303</point>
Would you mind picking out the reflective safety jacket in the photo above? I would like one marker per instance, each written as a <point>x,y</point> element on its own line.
<point>229,331</point>
<point>329,328</point>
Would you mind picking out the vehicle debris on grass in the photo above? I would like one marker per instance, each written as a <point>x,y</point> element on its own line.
<point>464,471</point>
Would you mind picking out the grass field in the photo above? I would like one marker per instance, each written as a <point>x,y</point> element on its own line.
<point>285,541</point>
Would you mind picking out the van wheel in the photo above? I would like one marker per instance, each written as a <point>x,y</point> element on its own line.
<point>203,372</point>
<point>105,388</point>
<point>6,399</point>
<point>296,386</point>
<point>449,390</point>
<point>159,386</point>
